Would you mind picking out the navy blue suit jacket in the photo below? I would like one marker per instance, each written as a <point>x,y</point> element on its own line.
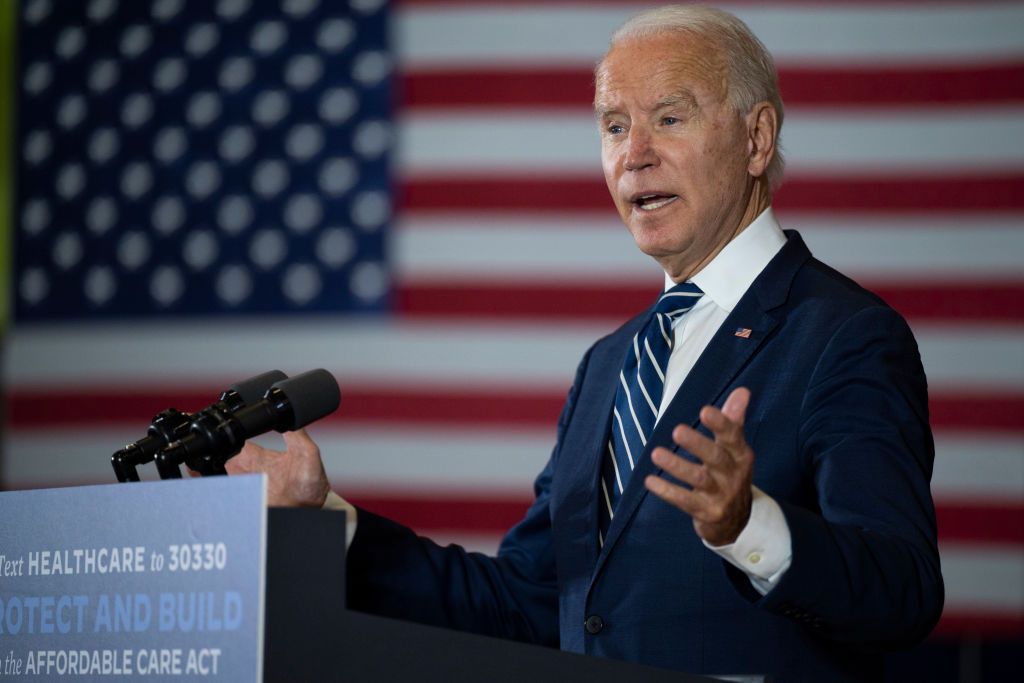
<point>839,424</point>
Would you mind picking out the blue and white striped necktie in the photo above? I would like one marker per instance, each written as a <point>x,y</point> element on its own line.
<point>638,397</point>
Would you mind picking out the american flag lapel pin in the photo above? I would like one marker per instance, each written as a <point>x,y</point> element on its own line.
<point>743,332</point>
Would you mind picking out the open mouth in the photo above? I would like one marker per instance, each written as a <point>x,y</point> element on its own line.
<point>653,202</point>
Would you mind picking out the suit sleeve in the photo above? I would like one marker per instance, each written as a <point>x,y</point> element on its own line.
<point>865,565</point>
<point>393,572</point>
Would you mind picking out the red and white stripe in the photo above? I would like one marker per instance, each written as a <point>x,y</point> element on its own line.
<point>904,135</point>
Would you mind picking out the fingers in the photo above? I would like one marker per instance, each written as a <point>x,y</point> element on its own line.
<point>255,458</point>
<point>728,433</point>
<point>697,444</point>
<point>673,495</point>
<point>693,474</point>
<point>718,501</point>
<point>735,407</point>
<point>724,458</point>
<point>250,459</point>
<point>725,424</point>
<point>719,497</point>
<point>295,477</point>
<point>703,505</point>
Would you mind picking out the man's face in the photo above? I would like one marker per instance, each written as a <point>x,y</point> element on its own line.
<point>674,151</point>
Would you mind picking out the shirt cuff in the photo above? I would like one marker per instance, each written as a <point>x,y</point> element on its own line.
<point>764,549</point>
<point>335,502</point>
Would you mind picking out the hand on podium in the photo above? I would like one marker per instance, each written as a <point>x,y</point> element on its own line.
<point>295,477</point>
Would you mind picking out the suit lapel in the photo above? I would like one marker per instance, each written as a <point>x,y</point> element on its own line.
<point>725,356</point>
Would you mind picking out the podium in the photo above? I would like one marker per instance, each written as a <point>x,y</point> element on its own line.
<point>309,636</point>
<point>180,580</point>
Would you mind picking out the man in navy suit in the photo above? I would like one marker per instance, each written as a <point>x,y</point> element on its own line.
<point>777,518</point>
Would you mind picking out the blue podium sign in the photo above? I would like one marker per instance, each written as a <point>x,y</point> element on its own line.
<point>160,580</point>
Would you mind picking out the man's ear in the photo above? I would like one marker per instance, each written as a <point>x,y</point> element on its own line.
<point>762,132</point>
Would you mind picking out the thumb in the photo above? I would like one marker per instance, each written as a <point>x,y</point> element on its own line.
<point>299,444</point>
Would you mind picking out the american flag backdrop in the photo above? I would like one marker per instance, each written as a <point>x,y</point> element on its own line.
<point>410,195</point>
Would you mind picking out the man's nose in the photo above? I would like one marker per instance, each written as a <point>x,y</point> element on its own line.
<point>640,152</point>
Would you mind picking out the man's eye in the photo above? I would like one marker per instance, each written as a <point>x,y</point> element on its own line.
<point>670,120</point>
<point>615,129</point>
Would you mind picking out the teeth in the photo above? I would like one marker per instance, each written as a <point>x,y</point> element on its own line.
<point>658,204</point>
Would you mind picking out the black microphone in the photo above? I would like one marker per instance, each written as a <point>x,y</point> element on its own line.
<point>215,436</point>
<point>172,424</point>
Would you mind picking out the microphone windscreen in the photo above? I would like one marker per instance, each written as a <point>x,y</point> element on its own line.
<point>312,395</point>
<point>253,389</point>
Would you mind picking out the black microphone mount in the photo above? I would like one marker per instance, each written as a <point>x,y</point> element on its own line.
<point>172,424</point>
<point>214,435</point>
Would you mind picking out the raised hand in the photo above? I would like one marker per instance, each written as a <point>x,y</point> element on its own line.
<point>720,498</point>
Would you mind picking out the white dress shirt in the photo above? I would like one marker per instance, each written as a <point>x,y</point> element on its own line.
<point>763,550</point>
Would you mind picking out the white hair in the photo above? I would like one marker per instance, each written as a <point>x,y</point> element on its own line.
<point>751,77</point>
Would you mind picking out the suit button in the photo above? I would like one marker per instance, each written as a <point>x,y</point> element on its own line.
<point>593,624</point>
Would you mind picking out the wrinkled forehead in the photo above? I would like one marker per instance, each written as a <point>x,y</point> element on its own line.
<point>660,65</point>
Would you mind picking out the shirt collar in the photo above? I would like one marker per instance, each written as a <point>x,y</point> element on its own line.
<point>729,275</point>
